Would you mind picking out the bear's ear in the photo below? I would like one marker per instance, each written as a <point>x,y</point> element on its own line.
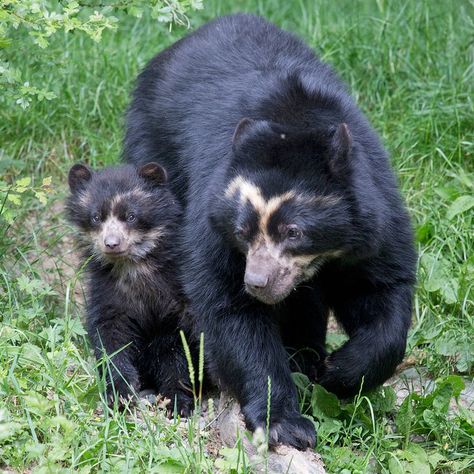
<point>243,127</point>
<point>248,128</point>
<point>154,173</point>
<point>341,146</point>
<point>78,176</point>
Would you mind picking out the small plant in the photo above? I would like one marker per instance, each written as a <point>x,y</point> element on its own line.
<point>371,429</point>
<point>32,23</point>
<point>12,196</point>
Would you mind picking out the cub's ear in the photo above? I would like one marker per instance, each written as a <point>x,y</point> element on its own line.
<point>341,146</point>
<point>78,176</point>
<point>154,173</point>
<point>247,129</point>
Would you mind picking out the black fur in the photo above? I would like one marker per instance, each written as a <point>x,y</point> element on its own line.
<point>135,306</point>
<point>304,133</point>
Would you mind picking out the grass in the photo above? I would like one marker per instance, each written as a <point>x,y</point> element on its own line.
<point>410,66</point>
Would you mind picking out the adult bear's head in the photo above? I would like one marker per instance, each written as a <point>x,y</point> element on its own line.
<point>287,204</point>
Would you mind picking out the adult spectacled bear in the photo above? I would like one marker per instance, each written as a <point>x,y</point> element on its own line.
<point>291,212</point>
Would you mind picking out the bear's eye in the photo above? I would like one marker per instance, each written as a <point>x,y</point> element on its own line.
<point>131,217</point>
<point>293,232</point>
<point>95,218</point>
<point>240,233</point>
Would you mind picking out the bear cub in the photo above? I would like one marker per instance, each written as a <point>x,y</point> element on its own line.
<point>128,221</point>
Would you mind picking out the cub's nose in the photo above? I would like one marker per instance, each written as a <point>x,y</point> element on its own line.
<point>112,242</point>
<point>255,280</point>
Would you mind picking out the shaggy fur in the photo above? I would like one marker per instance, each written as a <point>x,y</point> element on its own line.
<point>134,303</point>
<point>291,211</point>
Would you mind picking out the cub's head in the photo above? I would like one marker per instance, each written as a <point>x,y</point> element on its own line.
<point>122,213</point>
<point>286,205</point>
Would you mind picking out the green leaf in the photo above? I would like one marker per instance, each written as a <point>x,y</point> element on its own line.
<point>425,232</point>
<point>384,399</point>
<point>431,419</point>
<point>324,404</point>
<point>455,381</point>
<point>41,197</point>
<point>229,459</point>
<point>14,198</point>
<point>395,466</point>
<point>404,419</point>
<point>171,467</point>
<point>75,327</point>
<point>460,205</point>
<point>301,381</point>
<point>439,277</point>
<point>7,428</point>
<point>23,182</point>
<point>435,458</point>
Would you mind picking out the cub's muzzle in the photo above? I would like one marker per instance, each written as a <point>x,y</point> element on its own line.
<point>113,244</point>
<point>112,239</point>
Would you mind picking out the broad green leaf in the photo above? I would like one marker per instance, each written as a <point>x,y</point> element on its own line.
<point>404,418</point>
<point>23,182</point>
<point>431,419</point>
<point>301,381</point>
<point>170,467</point>
<point>384,399</point>
<point>395,466</point>
<point>460,205</point>
<point>435,458</point>
<point>14,198</point>
<point>324,404</point>
<point>440,277</point>
<point>455,381</point>
<point>449,291</point>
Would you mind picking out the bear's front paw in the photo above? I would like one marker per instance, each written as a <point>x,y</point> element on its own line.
<point>294,430</point>
<point>291,429</point>
<point>336,377</point>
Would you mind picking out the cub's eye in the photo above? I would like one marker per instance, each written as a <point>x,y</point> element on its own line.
<point>95,218</point>
<point>293,233</point>
<point>131,217</point>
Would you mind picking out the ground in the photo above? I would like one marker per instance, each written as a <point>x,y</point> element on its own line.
<point>410,66</point>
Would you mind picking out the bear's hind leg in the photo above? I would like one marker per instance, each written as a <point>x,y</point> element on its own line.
<point>303,330</point>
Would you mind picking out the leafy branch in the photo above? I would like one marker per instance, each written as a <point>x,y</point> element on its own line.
<point>35,22</point>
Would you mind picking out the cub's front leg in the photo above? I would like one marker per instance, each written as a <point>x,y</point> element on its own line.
<point>115,346</point>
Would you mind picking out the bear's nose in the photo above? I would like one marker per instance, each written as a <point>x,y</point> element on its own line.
<point>112,241</point>
<point>256,280</point>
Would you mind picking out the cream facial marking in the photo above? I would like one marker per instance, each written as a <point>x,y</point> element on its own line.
<point>136,193</point>
<point>251,193</point>
<point>141,244</point>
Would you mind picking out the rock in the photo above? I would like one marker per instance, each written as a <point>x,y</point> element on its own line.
<point>283,459</point>
<point>417,380</point>
<point>466,398</point>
